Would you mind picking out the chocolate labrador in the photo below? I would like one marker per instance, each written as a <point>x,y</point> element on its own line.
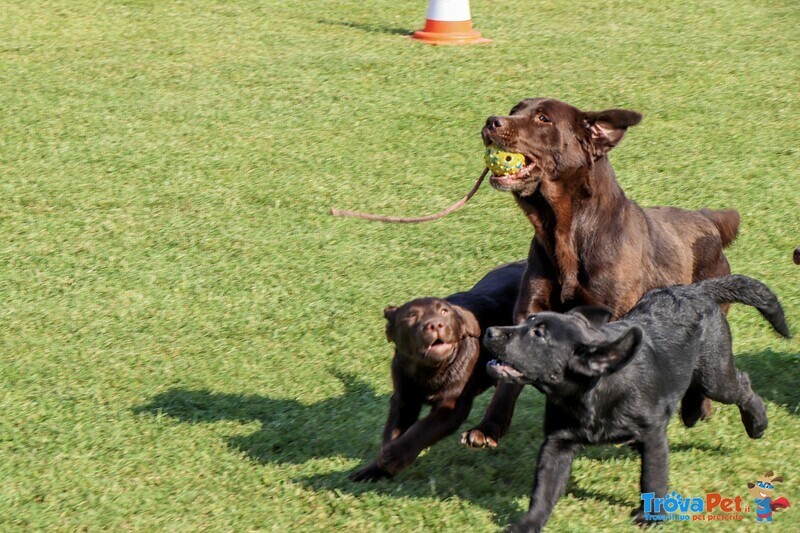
<point>620,382</point>
<point>438,361</point>
<point>593,245</point>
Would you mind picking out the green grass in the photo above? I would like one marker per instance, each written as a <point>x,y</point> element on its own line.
<point>191,342</point>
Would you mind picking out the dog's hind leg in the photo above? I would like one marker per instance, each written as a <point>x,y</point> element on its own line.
<point>751,407</point>
<point>735,389</point>
<point>727,384</point>
<point>712,264</point>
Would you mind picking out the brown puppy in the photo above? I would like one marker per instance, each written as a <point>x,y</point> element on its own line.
<point>593,245</point>
<point>439,361</point>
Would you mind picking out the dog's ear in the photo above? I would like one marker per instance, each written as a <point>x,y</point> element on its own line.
<point>607,128</point>
<point>597,315</point>
<point>778,479</point>
<point>389,314</point>
<point>469,324</point>
<point>751,485</point>
<point>609,355</point>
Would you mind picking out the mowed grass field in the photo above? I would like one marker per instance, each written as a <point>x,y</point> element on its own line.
<point>191,342</point>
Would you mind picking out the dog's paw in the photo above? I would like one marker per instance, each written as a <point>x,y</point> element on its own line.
<point>370,473</point>
<point>754,417</point>
<point>524,526</point>
<point>639,518</point>
<point>476,438</point>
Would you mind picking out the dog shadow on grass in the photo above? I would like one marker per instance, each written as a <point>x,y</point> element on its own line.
<point>291,431</point>
<point>350,425</point>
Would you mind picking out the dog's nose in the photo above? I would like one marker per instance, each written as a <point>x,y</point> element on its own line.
<point>494,123</point>
<point>492,333</point>
<point>432,326</point>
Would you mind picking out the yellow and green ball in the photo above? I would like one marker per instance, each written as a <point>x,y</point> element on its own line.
<point>501,163</point>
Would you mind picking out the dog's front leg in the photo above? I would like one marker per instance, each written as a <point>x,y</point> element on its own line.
<point>552,474</point>
<point>537,285</point>
<point>534,296</point>
<point>400,452</point>
<point>654,449</point>
<point>403,412</point>
<point>566,247</point>
<point>567,256</point>
<point>443,420</point>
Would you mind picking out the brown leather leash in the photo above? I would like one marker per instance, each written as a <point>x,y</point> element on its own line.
<point>412,220</point>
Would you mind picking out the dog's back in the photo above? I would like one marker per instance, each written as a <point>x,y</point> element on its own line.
<point>492,299</point>
<point>686,329</point>
<point>687,246</point>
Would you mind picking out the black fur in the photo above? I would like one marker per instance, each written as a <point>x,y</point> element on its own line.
<point>621,381</point>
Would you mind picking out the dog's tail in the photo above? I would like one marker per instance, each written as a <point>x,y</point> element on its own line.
<point>726,222</point>
<point>749,291</point>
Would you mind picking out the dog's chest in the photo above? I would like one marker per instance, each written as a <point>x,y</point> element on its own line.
<point>433,385</point>
<point>597,424</point>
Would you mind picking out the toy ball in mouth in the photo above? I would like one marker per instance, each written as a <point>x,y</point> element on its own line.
<point>502,163</point>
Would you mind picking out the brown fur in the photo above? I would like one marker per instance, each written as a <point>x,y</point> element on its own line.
<point>439,361</point>
<point>593,245</point>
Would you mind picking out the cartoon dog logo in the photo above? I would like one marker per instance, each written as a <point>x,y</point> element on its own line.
<point>762,491</point>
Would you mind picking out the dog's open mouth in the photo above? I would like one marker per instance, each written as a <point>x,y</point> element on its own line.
<point>504,371</point>
<point>439,347</point>
<point>508,180</point>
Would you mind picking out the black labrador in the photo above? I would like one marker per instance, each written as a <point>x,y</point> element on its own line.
<point>621,381</point>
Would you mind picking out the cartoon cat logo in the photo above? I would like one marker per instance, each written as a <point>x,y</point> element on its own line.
<point>762,491</point>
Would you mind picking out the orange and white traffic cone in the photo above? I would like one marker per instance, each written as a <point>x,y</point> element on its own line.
<point>449,22</point>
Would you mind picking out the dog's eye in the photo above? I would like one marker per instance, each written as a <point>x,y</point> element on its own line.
<point>542,118</point>
<point>444,311</point>
<point>538,332</point>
